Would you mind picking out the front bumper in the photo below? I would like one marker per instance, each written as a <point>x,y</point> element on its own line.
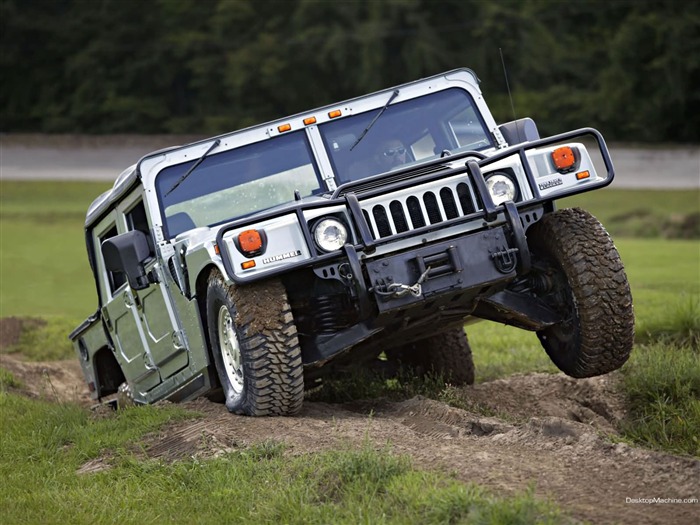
<point>477,260</point>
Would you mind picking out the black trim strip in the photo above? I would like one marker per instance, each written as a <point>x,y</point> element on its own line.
<point>360,222</point>
<point>480,185</point>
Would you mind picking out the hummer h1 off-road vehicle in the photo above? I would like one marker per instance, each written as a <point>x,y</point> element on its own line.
<point>253,263</point>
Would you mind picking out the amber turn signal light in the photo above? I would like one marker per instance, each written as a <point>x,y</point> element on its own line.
<point>564,159</point>
<point>250,241</point>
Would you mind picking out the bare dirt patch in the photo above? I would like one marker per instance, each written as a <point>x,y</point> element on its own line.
<point>12,328</point>
<point>58,381</point>
<point>550,431</point>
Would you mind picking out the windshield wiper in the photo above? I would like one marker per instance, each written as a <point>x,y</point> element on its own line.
<point>362,135</point>
<point>194,166</point>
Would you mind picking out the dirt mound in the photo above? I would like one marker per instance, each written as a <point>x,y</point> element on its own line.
<point>594,401</point>
<point>59,381</point>
<point>569,461</point>
<point>549,431</point>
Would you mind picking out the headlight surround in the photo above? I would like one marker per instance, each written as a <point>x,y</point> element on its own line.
<point>501,187</point>
<point>330,234</point>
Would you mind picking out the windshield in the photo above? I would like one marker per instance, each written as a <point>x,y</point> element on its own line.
<point>407,132</point>
<point>237,182</point>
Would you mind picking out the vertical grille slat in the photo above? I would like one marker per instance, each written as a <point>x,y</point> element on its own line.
<point>415,212</point>
<point>431,207</point>
<point>465,199</point>
<point>369,224</point>
<point>382,220</point>
<point>401,214</point>
<point>448,203</point>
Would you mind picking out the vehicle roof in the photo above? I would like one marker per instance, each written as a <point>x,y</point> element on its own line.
<point>125,181</point>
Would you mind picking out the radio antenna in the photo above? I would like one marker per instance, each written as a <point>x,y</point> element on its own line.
<point>510,96</point>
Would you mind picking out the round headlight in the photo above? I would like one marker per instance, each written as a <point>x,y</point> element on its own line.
<point>330,234</point>
<point>501,187</point>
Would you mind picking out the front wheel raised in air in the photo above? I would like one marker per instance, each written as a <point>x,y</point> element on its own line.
<point>585,282</point>
<point>255,347</point>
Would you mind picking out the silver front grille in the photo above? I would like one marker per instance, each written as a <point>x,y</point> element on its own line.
<point>410,209</point>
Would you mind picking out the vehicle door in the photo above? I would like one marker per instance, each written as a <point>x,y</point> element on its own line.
<point>154,306</point>
<point>121,315</point>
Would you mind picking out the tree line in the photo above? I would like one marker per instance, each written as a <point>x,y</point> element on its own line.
<point>630,68</point>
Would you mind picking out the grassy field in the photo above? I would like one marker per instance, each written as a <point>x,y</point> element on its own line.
<point>44,273</point>
<point>43,263</point>
<point>44,444</point>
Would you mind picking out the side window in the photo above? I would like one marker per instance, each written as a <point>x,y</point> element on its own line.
<point>116,279</point>
<point>136,220</point>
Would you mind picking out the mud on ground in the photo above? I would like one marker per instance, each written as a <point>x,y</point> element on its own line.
<point>548,430</point>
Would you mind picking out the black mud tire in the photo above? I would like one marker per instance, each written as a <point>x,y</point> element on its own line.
<point>266,376</point>
<point>573,252</point>
<point>446,354</point>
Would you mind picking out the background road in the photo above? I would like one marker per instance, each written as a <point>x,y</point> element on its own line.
<point>40,157</point>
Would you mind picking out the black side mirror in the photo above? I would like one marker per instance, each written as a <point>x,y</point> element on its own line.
<point>127,253</point>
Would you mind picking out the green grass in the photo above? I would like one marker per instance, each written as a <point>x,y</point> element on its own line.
<point>8,380</point>
<point>662,383</point>
<point>45,339</point>
<point>643,213</point>
<point>44,444</point>
<point>44,269</point>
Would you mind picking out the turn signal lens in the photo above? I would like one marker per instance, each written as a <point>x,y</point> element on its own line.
<point>564,158</point>
<point>335,113</point>
<point>250,241</point>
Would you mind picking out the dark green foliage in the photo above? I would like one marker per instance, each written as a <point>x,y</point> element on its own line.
<point>629,68</point>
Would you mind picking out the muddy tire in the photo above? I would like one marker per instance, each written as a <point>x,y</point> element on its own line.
<point>447,354</point>
<point>586,282</point>
<point>255,347</point>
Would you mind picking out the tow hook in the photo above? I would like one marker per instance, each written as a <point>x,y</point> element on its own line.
<point>397,290</point>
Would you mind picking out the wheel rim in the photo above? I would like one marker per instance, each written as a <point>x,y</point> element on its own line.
<point>230,350</point>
